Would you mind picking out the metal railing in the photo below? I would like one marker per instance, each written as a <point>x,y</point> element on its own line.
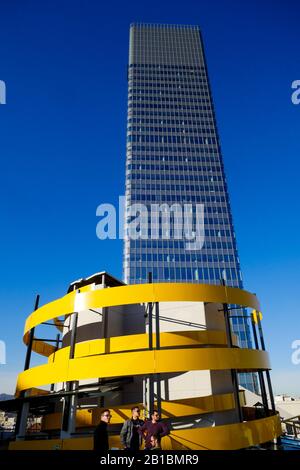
<point>292,426</point>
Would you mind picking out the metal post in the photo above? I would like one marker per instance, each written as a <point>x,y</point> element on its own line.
<point>69,404</point>
<point>254,334</point>
<point>157,334</point>
<point>270,391</point>
<point>104,329</point>
<point>234,376</point>
<point>56,349</point>
<point>149,392</point>
<point>31,338</point>
<point>29,349</point>
<point>21,422</point>
<point>262,342</point>
<point>73,325</point>
<point>260,373</point>
<point>105,320</point>
<point>150,319</point>
<point>227,326</point>
<point>150,333</point>
<point>157,326</point>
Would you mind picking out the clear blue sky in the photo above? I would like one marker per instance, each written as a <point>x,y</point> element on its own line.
<point>62,141</point>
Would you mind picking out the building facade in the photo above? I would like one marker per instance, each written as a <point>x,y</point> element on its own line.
<point>174,166</point>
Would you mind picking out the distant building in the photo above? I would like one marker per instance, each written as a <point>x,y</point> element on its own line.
<point>7,422</point>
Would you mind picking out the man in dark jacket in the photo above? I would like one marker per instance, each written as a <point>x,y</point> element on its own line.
<point>153,427</point>
<point>130,437</point>
<point>100,434</point>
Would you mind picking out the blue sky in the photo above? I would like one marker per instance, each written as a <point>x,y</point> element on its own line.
<point>62,144</point>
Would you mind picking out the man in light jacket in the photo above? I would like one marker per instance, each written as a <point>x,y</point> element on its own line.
<point>130,437</point>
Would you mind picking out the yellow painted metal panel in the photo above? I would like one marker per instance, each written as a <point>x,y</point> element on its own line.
<point>85,443</point>
<point>255,315</point>
<point>175,408</point>
<point>44,444</point>
<point>142,363</point>
<point>51,310</point>
<point>231,436</point>
<point>43,348</point>
<point>227,437</point>
<point>141,341</point>
<point>133,294</point>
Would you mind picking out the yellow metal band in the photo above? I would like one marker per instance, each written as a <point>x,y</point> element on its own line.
<point>133,294</point>
<point>227,437</point>
<point>141,293</point>
<point>141,363</point>
<point>174,408</point>
<point>141,341</point>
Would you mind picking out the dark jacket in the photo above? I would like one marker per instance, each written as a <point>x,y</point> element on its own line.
<point>101,438</point>
<point>127,431</point>
<point>149,429</point>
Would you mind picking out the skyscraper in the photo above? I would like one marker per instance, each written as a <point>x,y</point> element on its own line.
<point>174,157</point>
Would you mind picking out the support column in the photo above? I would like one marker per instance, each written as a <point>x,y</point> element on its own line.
<point>157,336</point>
<point>271,395</point>
<point>263,347</point>
<point>234,376</point>
<point>260,372</point>
<point>70,401</point>
<point>21,423</point>
<point>149,382</point>
<point>56,349</point>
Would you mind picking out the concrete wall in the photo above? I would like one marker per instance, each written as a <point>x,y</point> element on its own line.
<point>195,383</point>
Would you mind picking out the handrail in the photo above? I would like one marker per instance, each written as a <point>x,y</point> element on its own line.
<point>290,419</point>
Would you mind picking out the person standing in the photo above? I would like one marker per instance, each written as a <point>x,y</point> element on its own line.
<point>130,437</point>
<point>153,427</point>
<point>154,441</point>
<point>101,434</point>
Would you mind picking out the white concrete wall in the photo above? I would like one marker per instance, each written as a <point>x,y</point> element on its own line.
<point>195,383</point>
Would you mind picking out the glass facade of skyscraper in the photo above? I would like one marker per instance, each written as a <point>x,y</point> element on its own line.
<point>174,157</point>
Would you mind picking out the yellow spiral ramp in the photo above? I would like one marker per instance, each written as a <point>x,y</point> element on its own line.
<point>130,356</point>
<point>141,293</point>
<point>170,409</point>
<point>226,437</point>
<point>143,363</point>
